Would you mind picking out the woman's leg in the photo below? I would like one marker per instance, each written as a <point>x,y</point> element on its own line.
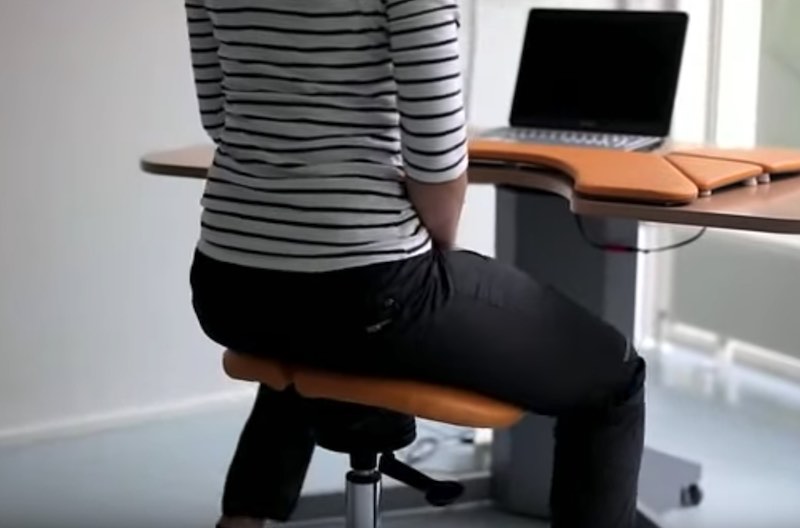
<point>466,321</point>
<point>270,463</point>
<point>503,334</point>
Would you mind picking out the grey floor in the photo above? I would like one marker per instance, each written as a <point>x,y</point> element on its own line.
<point>744,428</point>
<point>473,517</point>
<point>460,519</point>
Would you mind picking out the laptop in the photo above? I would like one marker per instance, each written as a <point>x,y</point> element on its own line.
<point>597,78</point>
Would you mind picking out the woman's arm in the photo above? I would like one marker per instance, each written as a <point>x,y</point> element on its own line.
<point>206,67</point>
<point>426,57</point>
<point>439,207</point>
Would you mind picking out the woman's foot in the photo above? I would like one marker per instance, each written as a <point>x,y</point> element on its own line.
<point>240,522</point>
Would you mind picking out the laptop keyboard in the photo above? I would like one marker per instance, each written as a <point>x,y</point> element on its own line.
<point>580,139</point>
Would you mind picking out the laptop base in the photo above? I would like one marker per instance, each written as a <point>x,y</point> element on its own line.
<point>575,138</point>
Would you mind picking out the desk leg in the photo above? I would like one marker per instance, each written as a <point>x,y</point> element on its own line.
<point>538,234</point>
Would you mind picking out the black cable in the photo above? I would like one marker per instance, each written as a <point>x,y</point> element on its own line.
<point>618,248</point>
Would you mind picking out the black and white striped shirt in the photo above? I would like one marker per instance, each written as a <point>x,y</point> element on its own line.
<point>319,110</point>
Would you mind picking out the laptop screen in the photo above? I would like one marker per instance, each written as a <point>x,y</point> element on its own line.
<point>607,71</point>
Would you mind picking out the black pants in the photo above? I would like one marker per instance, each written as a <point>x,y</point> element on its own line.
<point>456,319</point>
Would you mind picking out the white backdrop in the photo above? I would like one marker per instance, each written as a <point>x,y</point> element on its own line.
<point>95,323</point>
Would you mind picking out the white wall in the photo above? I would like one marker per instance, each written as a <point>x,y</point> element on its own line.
<point>476,230</point>
<point>779,79</point>
<point>740,63</point>
<point>690,104</point>
<point>94,255</point>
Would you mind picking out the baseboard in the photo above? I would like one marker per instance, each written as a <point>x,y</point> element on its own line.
<point>94,423</point>
<point>728,351</point>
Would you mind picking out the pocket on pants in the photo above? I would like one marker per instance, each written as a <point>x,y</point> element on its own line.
<point>381,317</point>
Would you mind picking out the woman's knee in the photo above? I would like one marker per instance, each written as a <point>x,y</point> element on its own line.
<point>619,378</point>
<point>632,377</point>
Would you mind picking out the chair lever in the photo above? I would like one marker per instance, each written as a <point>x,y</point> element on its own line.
<point>437,492</point>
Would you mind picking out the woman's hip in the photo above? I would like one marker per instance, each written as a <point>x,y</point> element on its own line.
<point>321,318</point>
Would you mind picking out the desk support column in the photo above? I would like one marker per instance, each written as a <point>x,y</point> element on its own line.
<point>538,234</point>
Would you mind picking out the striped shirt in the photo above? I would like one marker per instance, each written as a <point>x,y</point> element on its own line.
<point>319,110</point>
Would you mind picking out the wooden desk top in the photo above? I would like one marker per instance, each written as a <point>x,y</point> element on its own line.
<point>773,207</point>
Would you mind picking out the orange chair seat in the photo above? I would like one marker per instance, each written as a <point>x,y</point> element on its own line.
<point>412,398</point>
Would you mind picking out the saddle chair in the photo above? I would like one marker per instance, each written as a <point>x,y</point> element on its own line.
<point>369,419</point>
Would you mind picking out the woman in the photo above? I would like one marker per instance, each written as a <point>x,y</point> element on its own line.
<point>328,233</point>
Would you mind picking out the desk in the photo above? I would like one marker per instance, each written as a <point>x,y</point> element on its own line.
<point>536,232</point>
<point>771,208</point>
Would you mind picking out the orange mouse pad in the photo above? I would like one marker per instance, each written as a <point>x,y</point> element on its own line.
<point>771,160</point>
<point>710,174</point>
<point>599,173</point>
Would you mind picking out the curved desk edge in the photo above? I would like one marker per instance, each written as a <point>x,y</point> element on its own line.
<point>188,162</point>
<point>774,207</point>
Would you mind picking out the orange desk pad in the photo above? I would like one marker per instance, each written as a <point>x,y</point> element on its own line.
<point>676,177</point>
<point>771,160</point>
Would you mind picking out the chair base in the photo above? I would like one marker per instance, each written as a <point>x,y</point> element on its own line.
<point>370,436</point>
